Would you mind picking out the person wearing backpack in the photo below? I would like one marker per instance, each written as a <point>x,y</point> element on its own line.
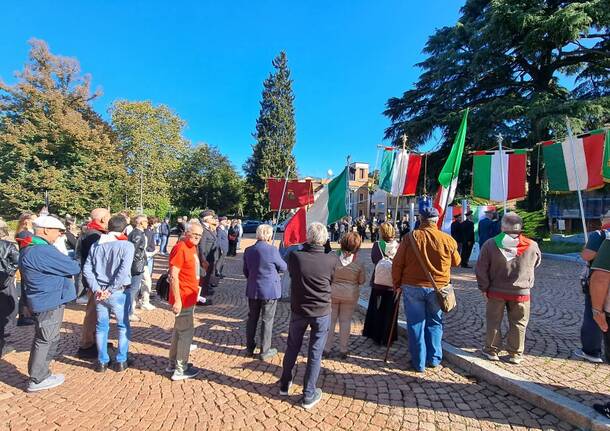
<point>345,291</point>
<point>9,260</point>
<point>379,315</point>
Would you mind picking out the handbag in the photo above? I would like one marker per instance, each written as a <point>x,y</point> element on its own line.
<point>444,295</point>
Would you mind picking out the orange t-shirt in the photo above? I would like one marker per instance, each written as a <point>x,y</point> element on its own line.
<point>184,256</point>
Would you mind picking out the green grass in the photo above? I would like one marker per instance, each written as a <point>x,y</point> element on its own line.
<point>560,247</point>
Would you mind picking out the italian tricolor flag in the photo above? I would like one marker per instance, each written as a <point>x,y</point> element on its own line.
<point>588,153</point>
<point>330,205</point>
<point>496,178</point>
<point>448,177</point>
<point>511,247</point>
<point>399,172</point>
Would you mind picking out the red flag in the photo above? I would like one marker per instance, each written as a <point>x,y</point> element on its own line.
<point>298,193</point>
<point>296,229</point>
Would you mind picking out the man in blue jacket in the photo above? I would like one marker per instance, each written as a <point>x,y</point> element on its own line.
<point>48,279</point>
<point>108,274</point>
<point>262,265</point>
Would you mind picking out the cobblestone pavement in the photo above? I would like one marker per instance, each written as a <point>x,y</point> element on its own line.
<point>235,392</point>
<point>552,334</point>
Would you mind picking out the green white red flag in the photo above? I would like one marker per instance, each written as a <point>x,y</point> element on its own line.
<point>448,177</point>
<point>330,205</point>
<point>399,172</point>
<point>588,155</point>
<point>499,179</point>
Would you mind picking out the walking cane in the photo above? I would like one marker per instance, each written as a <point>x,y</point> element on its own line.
<point>395,316</point>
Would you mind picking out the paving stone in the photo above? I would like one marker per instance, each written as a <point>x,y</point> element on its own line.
<point>236,392</point>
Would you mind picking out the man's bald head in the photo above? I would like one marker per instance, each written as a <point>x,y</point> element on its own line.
<point>101,215</point>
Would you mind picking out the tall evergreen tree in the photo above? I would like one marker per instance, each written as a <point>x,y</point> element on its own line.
<point>275,138</point>
<point>52,141</point>
<point>505,60</point>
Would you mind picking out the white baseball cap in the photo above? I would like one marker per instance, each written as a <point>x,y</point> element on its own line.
<point>49,222</point>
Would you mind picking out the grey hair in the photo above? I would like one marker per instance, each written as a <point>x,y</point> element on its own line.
<point>264,232</point>
<point>3,229</point>
<point>317,234</point>
<point>512,223</point>
<point>191,223</point>
<point>139,218</point>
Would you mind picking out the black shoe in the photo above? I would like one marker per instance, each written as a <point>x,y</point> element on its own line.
<point>101,368</point>
<point>203,304</point>
<point>250,353</point>
<point>603,409</point>
<point>88,353</point>
<point>466,266</point>
<point>26,321</point>
<point>119,367</point>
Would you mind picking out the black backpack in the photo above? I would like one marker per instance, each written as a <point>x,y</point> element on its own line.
<point>163,286</point>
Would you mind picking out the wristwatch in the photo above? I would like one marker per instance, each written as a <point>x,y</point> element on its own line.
<point>596,311</point>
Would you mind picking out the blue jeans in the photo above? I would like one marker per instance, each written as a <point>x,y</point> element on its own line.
<point>317,340</point>
<point>116,304</point>
<point>132,293</point>
<point>590,334</point>
<point>424,326</point>
<point>150,263</point>
<point>163,246</point>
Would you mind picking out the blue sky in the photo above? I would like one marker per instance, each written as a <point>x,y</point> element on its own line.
<point>207,60</point>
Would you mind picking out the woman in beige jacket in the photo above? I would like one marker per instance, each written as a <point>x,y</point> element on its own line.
<point>349,275</point>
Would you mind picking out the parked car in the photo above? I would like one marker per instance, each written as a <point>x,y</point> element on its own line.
<point>281,227</point>
<point>251,225</point>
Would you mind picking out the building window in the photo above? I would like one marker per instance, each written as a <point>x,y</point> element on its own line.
<point>361,197</point>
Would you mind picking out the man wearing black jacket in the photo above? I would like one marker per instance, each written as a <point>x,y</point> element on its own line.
<point>138,239</point>
<point>311,273</point>
<point>467,239</point>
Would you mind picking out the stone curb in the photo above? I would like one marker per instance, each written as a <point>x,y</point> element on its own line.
<point>563,257</point>
<point>561,406</point>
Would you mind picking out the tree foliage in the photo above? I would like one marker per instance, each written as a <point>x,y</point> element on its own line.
<point>151,144</point>
<point>206,179</point>
<point>509,61</point>
<point>275,137</point>
<point>53,141</point>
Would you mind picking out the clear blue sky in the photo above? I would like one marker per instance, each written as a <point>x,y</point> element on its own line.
<point>207,60</point>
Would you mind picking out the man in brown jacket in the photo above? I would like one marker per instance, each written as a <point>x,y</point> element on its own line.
<point>505,274</point>
<point>424,316</point>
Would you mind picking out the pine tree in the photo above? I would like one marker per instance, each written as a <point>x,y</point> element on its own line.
<point>504,59</point>
<point>275,138</point>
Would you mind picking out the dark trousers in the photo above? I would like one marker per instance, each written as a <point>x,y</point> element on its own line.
<point>208,280</point>
<point>263,309</point>
<point>8,310</point>
<point>317,339</point>
<point>24,310</point>
<point>44,346</point>
<point>232,248</point>
<point>466,251</point>
<point>590,334</point>
<point>220,265</point>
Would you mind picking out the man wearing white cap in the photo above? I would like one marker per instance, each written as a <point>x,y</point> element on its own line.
<point>48,279</point>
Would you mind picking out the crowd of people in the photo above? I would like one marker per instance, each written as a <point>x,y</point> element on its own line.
<point>112,258</point>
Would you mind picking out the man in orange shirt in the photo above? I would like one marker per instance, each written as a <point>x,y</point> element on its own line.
<point>184,289</point>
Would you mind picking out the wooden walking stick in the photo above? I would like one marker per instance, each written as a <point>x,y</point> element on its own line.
<point>394,321</point>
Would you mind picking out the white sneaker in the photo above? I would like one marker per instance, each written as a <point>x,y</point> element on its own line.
<point>82,300</point>
<point>594,359</point>
<point>148,307</point>
<point>134,318</point>
<point>193,347</point>
<point>490,356</point>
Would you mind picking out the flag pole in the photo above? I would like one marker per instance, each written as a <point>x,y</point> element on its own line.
<point>582,211</point>
<point>404,146</point>
<point>441,220</point>
<point>281,203</point>
<point>500,139</point>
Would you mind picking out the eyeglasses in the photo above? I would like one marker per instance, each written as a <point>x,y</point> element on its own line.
<point>196,235</point>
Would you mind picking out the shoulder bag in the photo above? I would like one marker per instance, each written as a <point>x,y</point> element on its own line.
<point>444,295</point>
